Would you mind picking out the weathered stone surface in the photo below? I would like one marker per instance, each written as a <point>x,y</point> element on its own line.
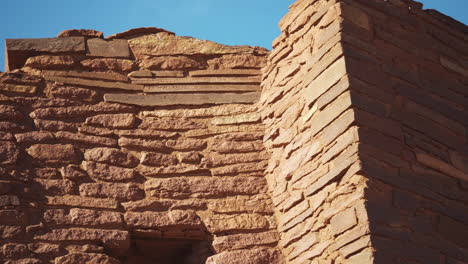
<point>183,219</point>
<point>117,241</point>
<point>168,44</point>
<point>87,217</point>
<point>167,88</point>
<point>15,250</point>
<point>80,201</point>
<point>78,111</point>
<point>54,153</point>
<point>138,32</point>
<point>9,153</point>
<point>157,159</point>
<point>247,256</point>
<point>239,168</point>
<point>198,80</point>
<point>170,124</point>
<point>113,120</point>
<point>91,33</point>
<point>107,172</point>
<point>86,140</point>
<point>55,187</point>
<point>171,63</point>
<point>45,249</point>
<point>17,88</point>
<point>9,200</point>
<point>133,143</point>
<point>50,45</point>
<point>253,204</point>
<point>111,156</point>
<point>219,110</point>
<point>237,147</point>
<point>117,48</point>
<point>190,157</point>
<point>184,144</point>
<point>182,99</point>
<point>141,74</point>
<point>168,170</point>
<point>225,72</point>
<point>73,173</point>
<point>343,221</point>
<point>119,191</point>
<point>109,76</point>
<point>86,258</point>
<point>109,64</point>
<point>34,137</point>
<point>48,62</point>
<point>238,119</point>
<point>204,187</point>
<point>233,61</point>
<point>242,241</point>
<point>96,83</point>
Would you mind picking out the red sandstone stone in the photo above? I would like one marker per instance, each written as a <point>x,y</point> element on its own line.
<point>47,62</point>
<point>104,172</point>
<point>111,156</point>
<point>91,33</point>
<point>119,191</point>
<point>157,159</point>
<point>53,154</point>
<point>109,64</point>
<point>9,153</point>
<point>172,63</point>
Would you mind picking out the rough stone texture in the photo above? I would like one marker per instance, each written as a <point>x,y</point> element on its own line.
<point>352,149</point>
<point>91,33</point>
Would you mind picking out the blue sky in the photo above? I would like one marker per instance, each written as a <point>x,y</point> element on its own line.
<point>250,22</point>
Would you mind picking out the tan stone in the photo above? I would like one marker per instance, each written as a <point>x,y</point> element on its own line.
<point>81,32</point>
<point>166,88</point>
<point>171,63</point>
<point>204,187</point>
<point>167,123</point>
<point>87,217</point>
<point>118,191</point>
<point>53,153</point>
<point>113,120</point>
<point>17,88</point>
<point>198,80</point>
<point>111,156</point>
<point>109,64</point>
<point>96,83</point>
<point>343,221</point>
<point>54,113</point>
<point>109,76</point>
<point>247,256</point>
<point>254,204</point>
<point>72,201</point>
<point>143,144</point>
<point>116,240</point>
<point>85,139</point>
<point>106,172</point>
<point>242,241</point>
<point>238,119</point>
<point>50,45</point>
<point>166,170</point>
<point>47,62</point>
<point>241,222</point>
<point>220,110</point>
<point>225,72</point>
<point>235,61</point>
<point>86,258</point>
<point>179,218</point>
<point>157,159</point>
<point>117,48</point>
<point>237,147</point>
<point>182,99</point>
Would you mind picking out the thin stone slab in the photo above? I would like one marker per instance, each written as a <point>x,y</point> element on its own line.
<point>93,83</point>
<point>193,80</point>
<point>200,88</point>
<point>183,99</point>
<point>88,75</point>
<point>117,48</point>
<point>225,72</point>
<point>48,45</point>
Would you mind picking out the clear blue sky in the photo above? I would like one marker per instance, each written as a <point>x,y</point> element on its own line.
<point>252,22</point>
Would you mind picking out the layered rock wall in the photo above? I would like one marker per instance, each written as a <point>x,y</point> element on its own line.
<point>115,149</point>
<point>365,110</point>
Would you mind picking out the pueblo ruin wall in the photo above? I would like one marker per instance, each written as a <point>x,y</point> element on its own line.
<point>347,143</point>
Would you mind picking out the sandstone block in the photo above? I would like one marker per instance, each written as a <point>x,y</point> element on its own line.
<point>172,63</point>
<point>116,240</point>
<point>106,172</point>
<point>117,48</point>
<point>96,83</point>
<point>86,140</point>
<point>54,153</point>
<point>220,160</point>
<point>157,159</point>
<point>183,144</point>
<point>146,134</point>
<point>73,93</point>
<point>253,204</point>
<point>56,187</point>
<point>199,80</point>
<point>183,99</point>
<point>247,256</point>
<point>109,64</point>
<point>49,45</point>
<point>343,221</point>
<point>238,119</point>
<point>179,218</point>
<point>111,156</point>
<point>108,76</point>
<point>204,187</point>
<point>169,170</point>
<point>169,88</point>
<point>9,112</point>
<point>80,201</point>
<point>240,168</point>
<point>243,241</point>
<point>219,110</point>
<point>223,223</point>
<point>119,191</point>
<point>9,153</point>
<point>91,33</point>
<point>113,120</point>
<point>34,137</point>
<point>168,123</point>
<point>45,249</point>
<point>49,62</point>
<point>17,88</point>
<point>9,200</point>
<point>225,72</point>
<point>86,258</point>
<point>15,250</point>
<point>189,157</point>
<point>87,217</point>
<point>237,147</point>
<point>143,144</point>
<point>235,61</point>
<point>73,173</point>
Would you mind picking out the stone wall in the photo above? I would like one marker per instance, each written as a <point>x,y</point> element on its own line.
<point>143,147</point>
<point>365,110</point>
<point>347,143</point>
